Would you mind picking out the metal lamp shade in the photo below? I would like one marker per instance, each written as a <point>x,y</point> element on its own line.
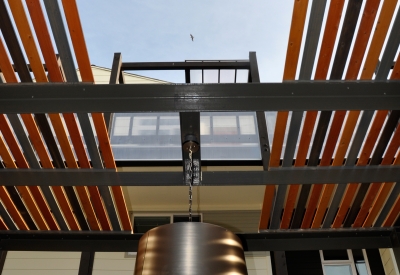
<point>190,248</point>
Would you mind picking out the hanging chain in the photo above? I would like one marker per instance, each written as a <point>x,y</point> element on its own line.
<point>191,176</point>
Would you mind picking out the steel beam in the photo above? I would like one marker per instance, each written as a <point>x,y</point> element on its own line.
<point>269,240</point>
<point>86,264</point>
<point>188,65</point>
<point>296,96</point>
<point>280,176</point>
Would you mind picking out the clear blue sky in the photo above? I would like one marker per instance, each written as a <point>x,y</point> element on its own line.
<point>159,30</point>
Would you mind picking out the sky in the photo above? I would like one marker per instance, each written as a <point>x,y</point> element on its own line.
<point>159,30</point>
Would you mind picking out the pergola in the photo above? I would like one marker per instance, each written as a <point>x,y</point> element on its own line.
<point>344,194</point>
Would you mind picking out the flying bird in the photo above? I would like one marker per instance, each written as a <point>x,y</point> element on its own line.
<point>191,36</point>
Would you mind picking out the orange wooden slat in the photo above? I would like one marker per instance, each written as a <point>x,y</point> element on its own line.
<point>292,58</point>
<point>23,190</point>
<point>279,136</point>
<point>308,129</point>
<point>49,55</point>
<point>45,160</point>
<point>11,208</point>
<point>27,38</point>
<point>341,150</point>
<point>269,195</point>
<point>295,37</point>
<point>330,145</point>
<point>364,32</point>
<point>393,214</point>
<point>380,198</point>
<point>328,42</point>
<point>325,54</point>
<point>374,187</point>
<point>82,57</point>
<point>84,163</point>
<point>3,226</point>
<point>369,144</point>
<point>381,29</point>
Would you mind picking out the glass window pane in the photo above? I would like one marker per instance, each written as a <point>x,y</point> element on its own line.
<point>227,76</point>
<point>210,76</point>
<point>205,126</point>
<point>169,125</point>
<point>144,125</point>
<point>242,76</point>
<point>196,76</point>
<point>247,125</point>
<point>225,125</point>
<point>121,127</point>
<point>337,269</point>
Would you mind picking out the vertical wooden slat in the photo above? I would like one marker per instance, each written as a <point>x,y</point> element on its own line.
<point>23,190</point>
<point>394,213</point>
<point>22,24</point>
<point>38,143</point>
<point>292,57</point>
<point>375,187</point>
<point>60,36</point>
<point>381,29</point>
<point>3,226</point>
<point>328,41</point>
<point>78,40</point>
<point>49,55</point>
<point>363,160</point>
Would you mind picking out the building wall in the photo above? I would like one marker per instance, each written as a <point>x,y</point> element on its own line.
<point>105,263</point>
<point>389,263</point>
<point>41,263</point>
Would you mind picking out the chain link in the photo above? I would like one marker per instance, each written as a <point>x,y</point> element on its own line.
<point>190,182</point>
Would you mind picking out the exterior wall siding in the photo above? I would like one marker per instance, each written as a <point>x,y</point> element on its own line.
<point>388,261</point>
<point>41,263</point>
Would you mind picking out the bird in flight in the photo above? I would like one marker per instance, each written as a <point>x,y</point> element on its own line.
<point>191,36</point>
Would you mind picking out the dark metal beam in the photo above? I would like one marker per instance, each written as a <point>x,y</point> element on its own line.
<point>86,264</point>
<point>114,79</point>
<point>269,240</point>
<point>3,256</point>
<point>74,97</point>
<point>189,65</point>
<point>290,175</point>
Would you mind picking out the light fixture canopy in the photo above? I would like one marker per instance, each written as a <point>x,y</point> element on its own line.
<point>190,248</point>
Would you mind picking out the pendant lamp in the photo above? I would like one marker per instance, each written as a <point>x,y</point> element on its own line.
<point>190,248</point>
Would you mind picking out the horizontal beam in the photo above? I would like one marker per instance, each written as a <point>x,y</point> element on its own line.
<point>282,175</point>
<point>285,240</point>
<point>295,96</point>
<point>190,65</point>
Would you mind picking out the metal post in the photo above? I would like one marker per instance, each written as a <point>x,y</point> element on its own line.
<point>280,263</point>
<point>114,79</point>
<point>3,256</point>
<point>396,260</point>
<point>86,264</point>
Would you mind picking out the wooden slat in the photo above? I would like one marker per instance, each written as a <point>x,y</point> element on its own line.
<point>363,160</point>
<point>328,42</point>
<point>38,143</point>
<point>308,128</point>
<point>82,57</point>
<point>3,226</point>
<point>325,161</point>
<point>375,187</point>
<point>381,29</point>
<point>11,208</point>
<point>394,213</point>
<point>269,195</point>
<point>54,71</point>
<point>364,32</point>
<point>23,190</point>
<point>381,197</point>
